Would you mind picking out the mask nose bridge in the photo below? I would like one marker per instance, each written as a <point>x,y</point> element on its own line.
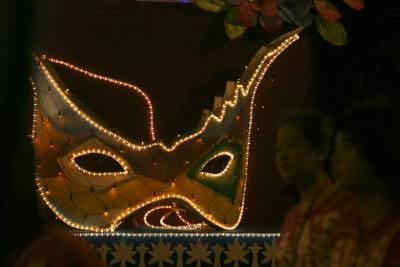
<point>165,166</point>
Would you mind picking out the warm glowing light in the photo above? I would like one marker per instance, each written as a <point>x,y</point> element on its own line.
<point>220,174</point>
<point>171,209</point>
<point>253,83</point>
<point>240,91</point>
<point>182,219</point>
<point>177,234</point>
<point>35,110</point>
<point>113,81</point>
<point>101,152</point>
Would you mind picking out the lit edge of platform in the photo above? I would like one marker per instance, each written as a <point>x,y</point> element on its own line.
<point>175,234</point>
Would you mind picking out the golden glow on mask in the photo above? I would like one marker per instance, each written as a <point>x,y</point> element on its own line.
<point>113,81</point>
<point>269,56</point>
<point>223,172</point>
<point>253,83</point>
<point>101,152</point>
<point>174,234</point>
<point>170,209</point>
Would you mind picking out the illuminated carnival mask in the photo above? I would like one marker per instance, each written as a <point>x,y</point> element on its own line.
<point>134,177</point>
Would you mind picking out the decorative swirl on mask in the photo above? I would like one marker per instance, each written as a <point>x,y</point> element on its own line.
<point>170,210</point>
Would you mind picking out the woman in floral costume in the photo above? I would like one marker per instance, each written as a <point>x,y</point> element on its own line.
<point>311,228</point>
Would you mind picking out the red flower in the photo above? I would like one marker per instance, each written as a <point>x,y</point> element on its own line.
<point>248,14</point>
<point>249,11</point>
<point>267,8</point>
<point>327,10</point>
<point>271,24</point>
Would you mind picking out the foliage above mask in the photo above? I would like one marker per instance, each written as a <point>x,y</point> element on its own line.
<point>270,14</point>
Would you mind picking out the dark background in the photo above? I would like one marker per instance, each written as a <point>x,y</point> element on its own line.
<point>181,57</point>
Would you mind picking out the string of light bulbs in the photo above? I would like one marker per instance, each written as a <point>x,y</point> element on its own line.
<point>171,234</point>
<point>112,81</point>
<point>253,83</point>
<point>163,225</point>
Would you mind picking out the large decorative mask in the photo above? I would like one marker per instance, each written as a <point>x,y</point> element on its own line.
<point>203,172</point>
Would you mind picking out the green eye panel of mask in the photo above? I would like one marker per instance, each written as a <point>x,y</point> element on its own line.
<point>225,184</point>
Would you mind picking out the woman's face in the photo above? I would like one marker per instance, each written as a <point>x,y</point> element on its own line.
<point>295,159</point>
<point>351,171</point>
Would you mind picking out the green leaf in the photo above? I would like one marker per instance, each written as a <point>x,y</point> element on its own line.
<point>212,5</point>
<point>232,24</point>
<point>332,32</point>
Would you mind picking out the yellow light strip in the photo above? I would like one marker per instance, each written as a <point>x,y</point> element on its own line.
<point>147,214</point>
<point>257,77</point>
<point>187,226</point>
<point>181,227</point>
<point>179,215</point>
<point>172,234</point>
<point>167,226</point>
<point>35,110</point>
<point>203,213</point>
<point>113,81</point>
<point>216,175</point>
<point>195,226</point>
<point>101,152</point>
<point>238,90</point>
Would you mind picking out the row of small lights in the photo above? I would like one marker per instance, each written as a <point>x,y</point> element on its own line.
<point>101,152</point>
<point>195,234</point>
<point>273,54</point>
<point>204,214</point>
<point>113,81</point>
<point>239,89</point>
<point>147,214</point>
<point>184,198</point>
<point>220,174</point>
<point>35,109</point>
<point>178,213</point>
<point>43,192</point>
<point>188,226</point>
<point>114,224</point>
<point>41,189</point>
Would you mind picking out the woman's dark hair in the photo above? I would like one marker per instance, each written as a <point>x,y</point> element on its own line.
<point>317,130</point>
<point>373,128</point>
<point>315,127</point>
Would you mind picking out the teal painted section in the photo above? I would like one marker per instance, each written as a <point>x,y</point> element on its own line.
<point>226,184</point>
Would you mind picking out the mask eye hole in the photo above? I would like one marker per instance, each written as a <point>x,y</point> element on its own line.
<point>97,162</point>
<point>217,165</point>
